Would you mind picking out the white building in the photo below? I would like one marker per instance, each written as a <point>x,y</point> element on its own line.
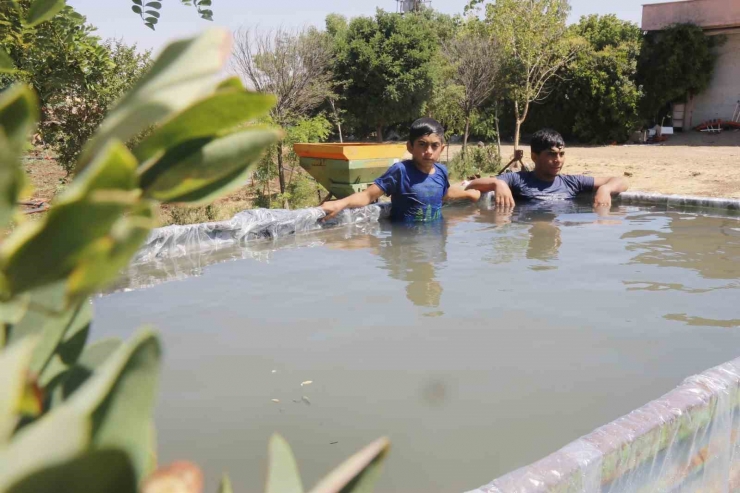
<point>716,17</point>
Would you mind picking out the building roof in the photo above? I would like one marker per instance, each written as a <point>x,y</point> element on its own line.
<point>709,14</point>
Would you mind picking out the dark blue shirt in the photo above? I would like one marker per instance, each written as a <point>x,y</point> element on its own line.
<point>525,185</point>
<point>415,196</point>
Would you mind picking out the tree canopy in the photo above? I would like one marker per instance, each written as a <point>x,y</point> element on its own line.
<point>385,65</point>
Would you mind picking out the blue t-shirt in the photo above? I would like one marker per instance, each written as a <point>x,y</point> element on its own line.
<point>415,196</point>
<point>525,185</point>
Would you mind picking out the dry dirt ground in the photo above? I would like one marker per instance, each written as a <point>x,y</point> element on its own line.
<point>691,163</point>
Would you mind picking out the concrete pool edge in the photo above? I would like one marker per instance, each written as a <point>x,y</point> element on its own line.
<point>688,435</point>
<point>638,197</point>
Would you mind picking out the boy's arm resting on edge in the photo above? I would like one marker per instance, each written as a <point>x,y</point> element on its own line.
<point>605,187</point>
<point>359,199</point>
<point>456,192</point>
<point>503,197</point>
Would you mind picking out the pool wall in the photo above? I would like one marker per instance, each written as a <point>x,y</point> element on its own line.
<point>685,441</point>
<point>679,200</point>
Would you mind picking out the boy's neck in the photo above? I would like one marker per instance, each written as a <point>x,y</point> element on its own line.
<point>424,168</point>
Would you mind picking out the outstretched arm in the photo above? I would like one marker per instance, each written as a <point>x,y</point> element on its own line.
<point>605,187</point>
<point>457,192</point>
<point>359,199</point>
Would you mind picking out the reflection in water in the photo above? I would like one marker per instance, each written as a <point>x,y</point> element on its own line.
<point>412,253</point>
<point>707,245</point>
<point>702,322</point>
<point>674,286</point>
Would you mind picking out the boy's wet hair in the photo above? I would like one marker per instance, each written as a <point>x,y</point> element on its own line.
<point>426,126</point>
<point>545,139</point>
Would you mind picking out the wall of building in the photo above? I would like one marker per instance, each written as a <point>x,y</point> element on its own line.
<point>719,100</point>
<point>709,14</point>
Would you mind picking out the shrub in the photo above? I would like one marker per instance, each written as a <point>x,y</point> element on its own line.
<point>477,161</point>
<point>75,417</point>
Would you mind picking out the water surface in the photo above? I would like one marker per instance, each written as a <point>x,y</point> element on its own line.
<point>478,345</point>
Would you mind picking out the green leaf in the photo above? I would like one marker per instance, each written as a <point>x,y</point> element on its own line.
<point>99,471</point>
<point>150,26</point>
<point>282,470</point>
<point>154,5</point>
<point>65,382</point>
<point>105,259</point>
<point>6,63</point>
<point>44,303</point>
<point>152,13</point>
<point>357,474</point>
<point>182,74</point>
<point>18,115</point>
<point>120,396</point>
<point>221,112</point>
<point>84,213</point>
<point>137,2</point>
<point>225,486</point>
<point>14,363</point>
<point>43,10</point>
<point>204,3</point>
<point>151,20</point>
<point>55,437</point>
<point>62,344</point>
<point>196,165</point>
<point>54,327</point>
<point>136,9</point>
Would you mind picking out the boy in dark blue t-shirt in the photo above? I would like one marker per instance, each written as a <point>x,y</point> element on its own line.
<point>417,187</point>
<point>546,182</point>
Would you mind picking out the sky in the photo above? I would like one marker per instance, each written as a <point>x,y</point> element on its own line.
<point>114,18</point>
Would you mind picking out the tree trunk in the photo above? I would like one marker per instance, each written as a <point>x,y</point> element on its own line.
<point>281,171</point>
<point>379,131</point>
<point>498,134</point>
<point>518,126</point>
<point>336,119</point>
<point>466,134</point>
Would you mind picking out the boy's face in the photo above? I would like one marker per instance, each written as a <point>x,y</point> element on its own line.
<point>426,149</point>
<point>549,162</point>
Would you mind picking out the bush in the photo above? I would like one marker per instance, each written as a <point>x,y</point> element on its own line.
<point>477,161</point>
<point>75,417</point>
<point>72,115</point>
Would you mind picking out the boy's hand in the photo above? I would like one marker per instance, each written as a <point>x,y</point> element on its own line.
<point>331,209</point>
<point>504,197</point>
<point>603,198</point>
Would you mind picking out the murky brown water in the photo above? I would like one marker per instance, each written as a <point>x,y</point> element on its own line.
<point>478,345</point>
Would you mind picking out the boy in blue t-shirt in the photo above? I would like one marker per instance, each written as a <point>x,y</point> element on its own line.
<point>416,187</point>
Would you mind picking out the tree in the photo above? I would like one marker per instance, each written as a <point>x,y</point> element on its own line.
<point>385,65</point>
<point>676,64</point>
<point>294,66</point>
<point>597,99</point>
<point>536,47</point>
<point>73,114</point>
<point>53,55</point>
<point>476,60</point>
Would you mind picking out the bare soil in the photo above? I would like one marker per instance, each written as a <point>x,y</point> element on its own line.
<point>691,163</point>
